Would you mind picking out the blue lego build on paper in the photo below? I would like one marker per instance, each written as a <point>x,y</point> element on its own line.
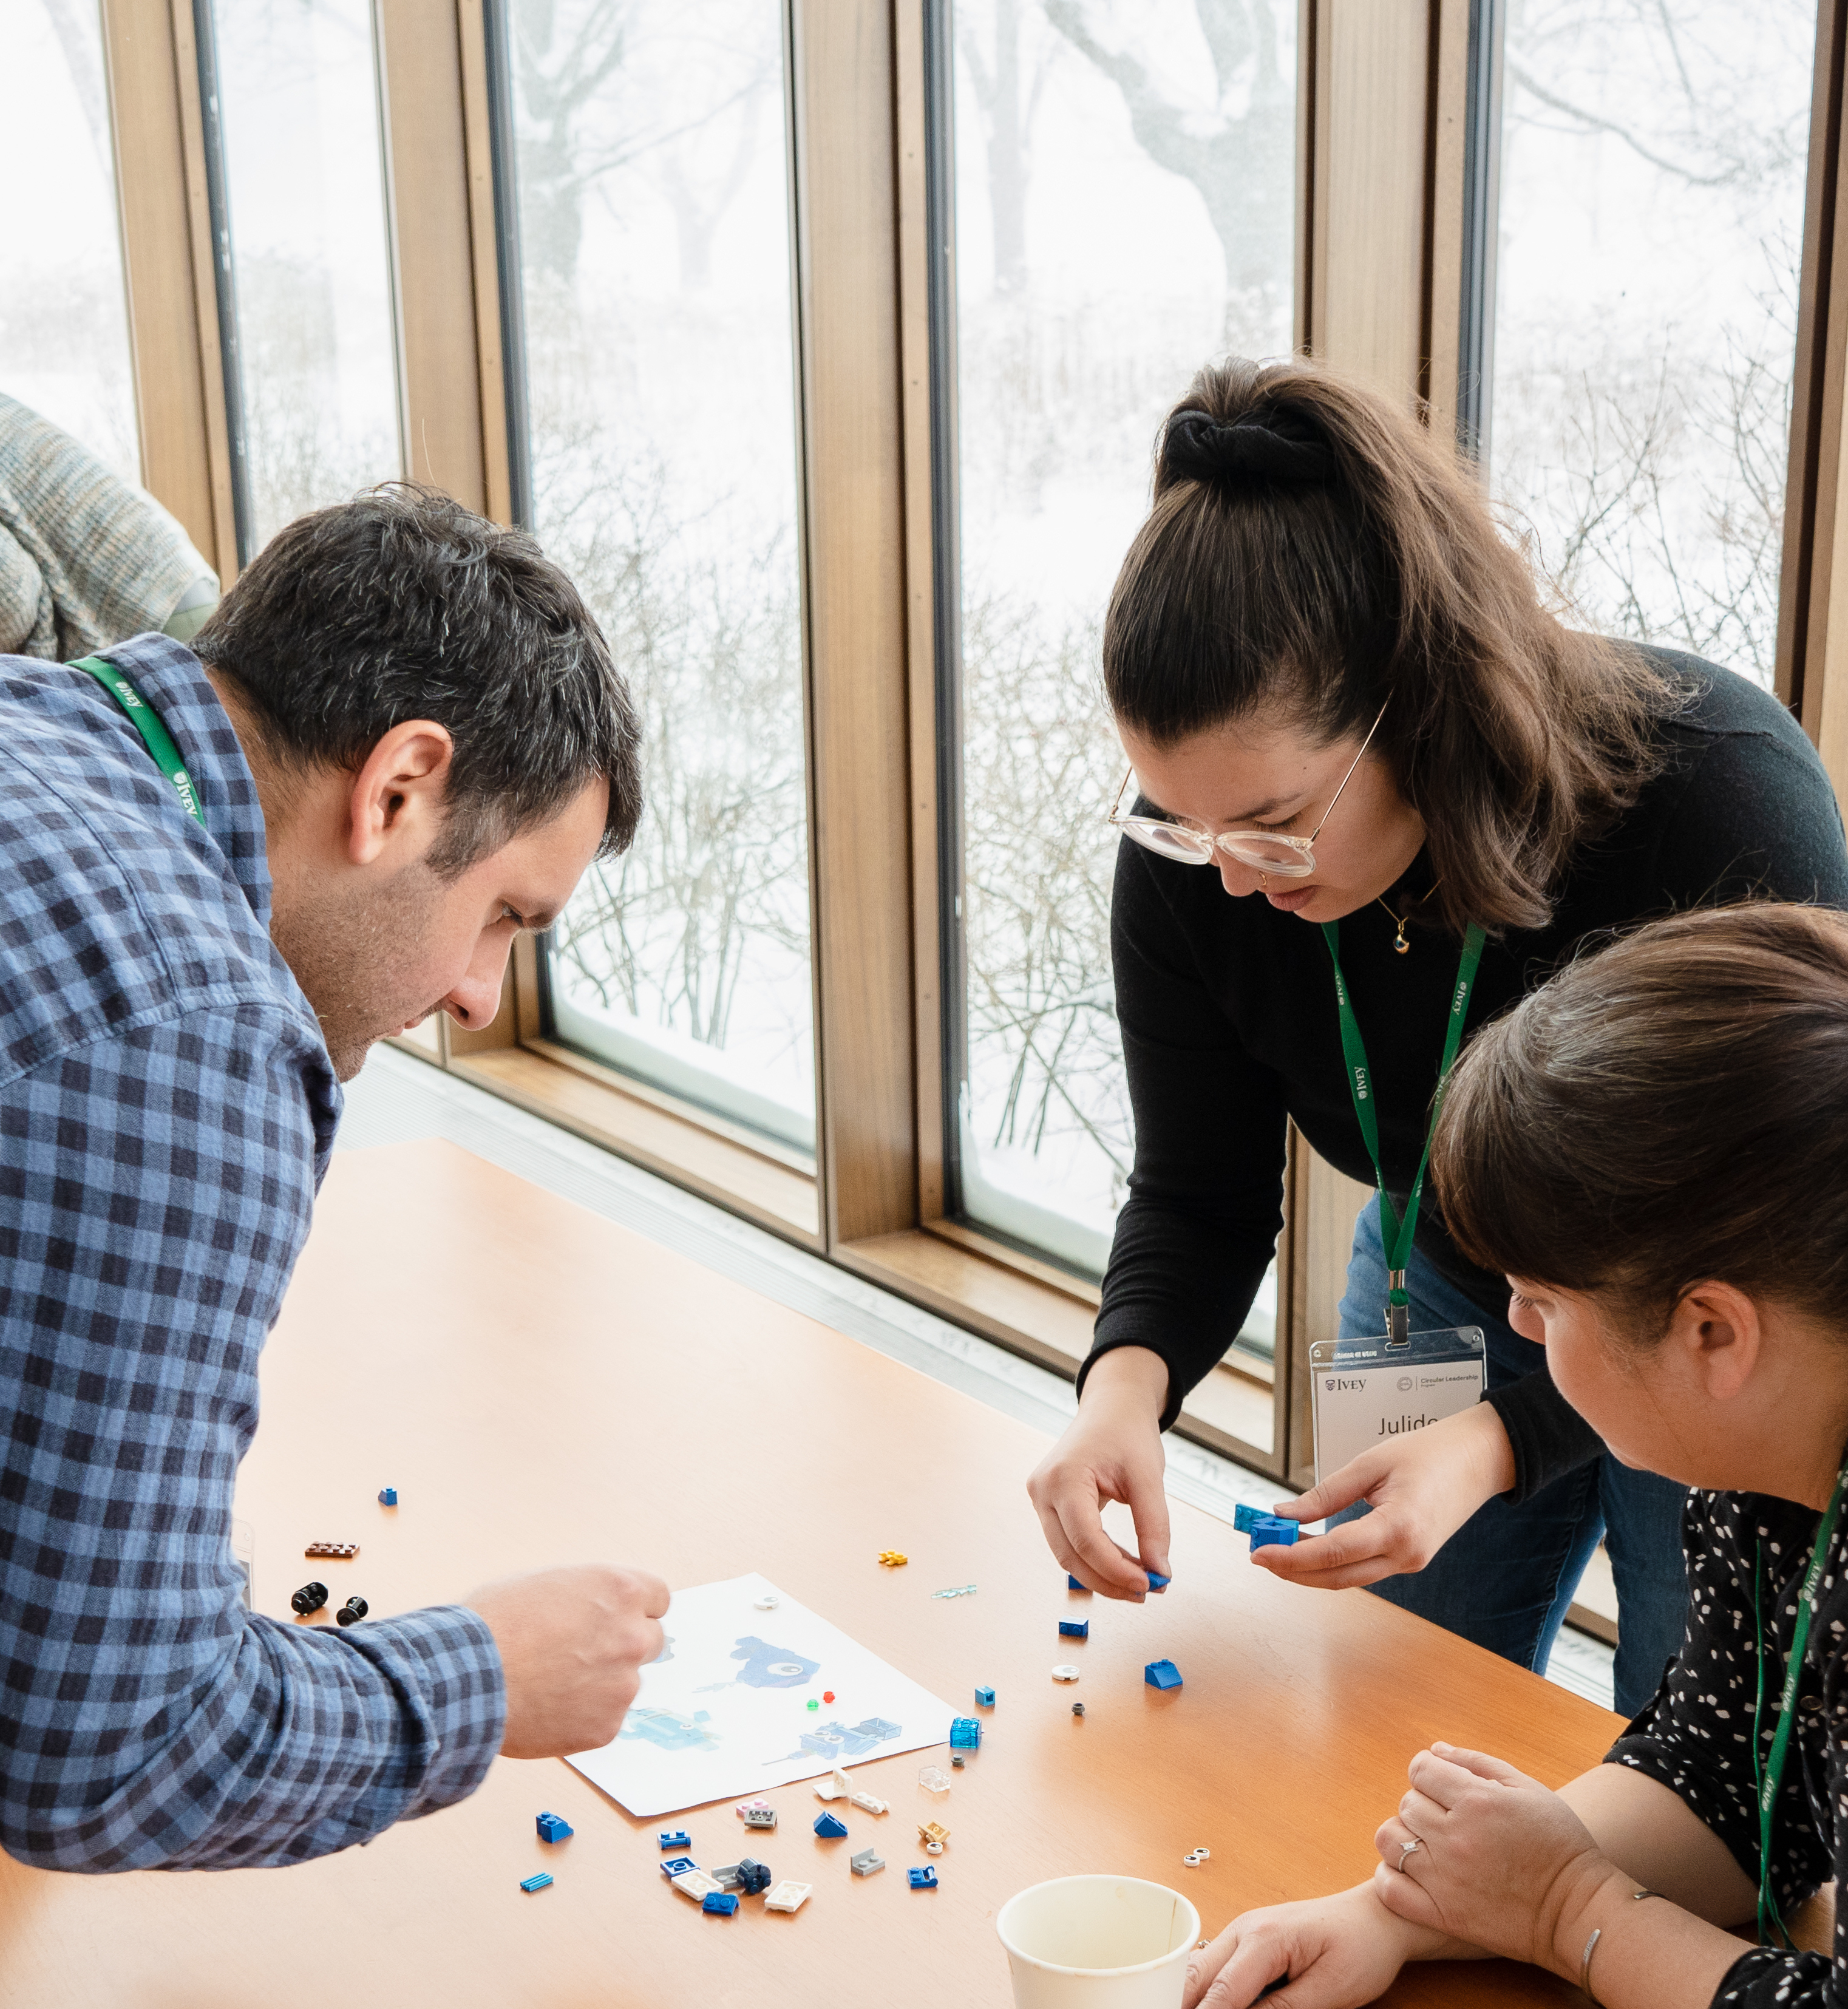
<point>678,1866</point>
<point>1157,1581</point>
<point>1162,1675</point>
<point>984,1698</point>
<point>1074,1628</point>
<point>537,1883</point>
<point>828,1828</point>
<point>1267,1529</point>
<point>722,1902</point>
<point>965,1734</point>
<point>922,1880</point>
<point>673,1838</point>
<point>555,1828</point>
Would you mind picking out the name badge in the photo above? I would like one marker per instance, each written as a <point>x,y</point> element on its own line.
<point>1365,1392</point>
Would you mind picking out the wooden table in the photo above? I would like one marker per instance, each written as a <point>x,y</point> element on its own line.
<point>542,1387</point>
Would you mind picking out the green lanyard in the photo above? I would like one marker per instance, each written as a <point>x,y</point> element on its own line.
<point>146,721</point>
<point>1773,1777</point>
<point>1360,1084</point>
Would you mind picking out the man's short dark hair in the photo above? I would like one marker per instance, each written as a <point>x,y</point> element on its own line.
<point>403,604</point>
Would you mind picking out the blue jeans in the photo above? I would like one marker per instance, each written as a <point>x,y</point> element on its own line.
<point>1506,1576</point>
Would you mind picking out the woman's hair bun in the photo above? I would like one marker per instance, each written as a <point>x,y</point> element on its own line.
<point>1197,447</point>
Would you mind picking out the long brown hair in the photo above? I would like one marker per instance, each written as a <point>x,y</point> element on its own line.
<point>1669,1109</point>
<point>1312,549</point>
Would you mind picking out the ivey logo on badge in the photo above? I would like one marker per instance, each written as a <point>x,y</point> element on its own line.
<point>1366,1392</point>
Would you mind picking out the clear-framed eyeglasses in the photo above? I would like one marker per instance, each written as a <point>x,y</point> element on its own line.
<point>1262,850</point>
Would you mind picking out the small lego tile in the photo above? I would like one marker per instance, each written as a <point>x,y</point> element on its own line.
<point>695,1883</point>
<point>728,1878</point>
<point>1157,1581</point>
<point>959,1590</point>
<point>1072,1583</point>
<point>555,1828</point>
<point>1162,1675</point>
<point>678,1866</point>
<point>922,1880</point>
<point>1065,1673</point>
<point>892,1559</point>
<point>767,1603</point>
<point>934,1780</point>
<point>1074,1628</point>
<point>764,1817</point>
<point>753,1876</point>
<point>984,1698</point>
<point>1196,1857</point>
<point>720,1902</point>
<point>342,1551</point>
<point>787,1896</point>
<point>538,1883</point>
<point>933,1835</point>
<point>673,1837</point>
<point>868,1863</point>
<point>828,1828</point>
<point>388,1496</point>
<point>867,1803</point>
<point>749,1806</point>
<point>965,1733</point>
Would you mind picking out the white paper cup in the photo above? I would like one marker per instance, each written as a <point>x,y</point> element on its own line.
<point>1097,1943</point>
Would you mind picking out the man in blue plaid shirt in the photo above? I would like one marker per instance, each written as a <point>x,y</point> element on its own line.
<point>405,740</point>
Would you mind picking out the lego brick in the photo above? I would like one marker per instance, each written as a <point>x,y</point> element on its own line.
<point>892,1559</point>
<point>388,1496</point>
<point>933,1835</point>
<point>753,1876</point>
<point>787,1896</point>
<point>673,1837</point>
<point>1267,1529</point>
<point>744,1806</point>
<point>720,1902</point>
<point>678,1866</point>
<point>1162,1675</point>
<point>352,1612</point>
<point>1074,1628</point>
<point>1243,1516</point>
<point>965,1733</point>
<point>764,1817</point>
<point>538,1883</point>
<point>958,1760</point>
<point>959,1590</point>
<point>984,1698</point>
<point>1067,1674</point>
<point>922,1880</point>
<point>866,1803</point>
<point>310,1597</point>
<point>868,1863</point>
<point>342,1550</point>
<point>1194,1857</point>
<point>1072,1583</point>
<point>555,1828</point>
<point>1078,1709</point>
<point>933,1780</point>
<point>727,1877</point>
<point>768,1603</point>
<point>828,1828</point>
<point>834,1787</point>
<point>1156,1582</point>
<point>695,1883</point>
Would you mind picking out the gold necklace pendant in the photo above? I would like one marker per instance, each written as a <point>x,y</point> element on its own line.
<point>1401,947</point>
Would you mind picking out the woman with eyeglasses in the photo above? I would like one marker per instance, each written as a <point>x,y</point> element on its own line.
<point>1357,730</point>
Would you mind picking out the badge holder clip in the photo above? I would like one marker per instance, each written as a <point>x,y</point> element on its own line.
<point>1367,1392</point>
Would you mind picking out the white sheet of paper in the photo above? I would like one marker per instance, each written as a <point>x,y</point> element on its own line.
<point>725,1713</point>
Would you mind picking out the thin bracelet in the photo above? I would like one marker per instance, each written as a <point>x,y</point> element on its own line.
<point>1584,1966</point>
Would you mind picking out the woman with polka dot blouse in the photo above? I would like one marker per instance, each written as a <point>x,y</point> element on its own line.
<point>1654,1150</point>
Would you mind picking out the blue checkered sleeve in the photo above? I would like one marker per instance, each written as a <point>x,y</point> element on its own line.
<point>155,1188</point>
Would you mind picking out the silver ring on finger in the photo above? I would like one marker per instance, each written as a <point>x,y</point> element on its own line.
<point>1406,1848</point>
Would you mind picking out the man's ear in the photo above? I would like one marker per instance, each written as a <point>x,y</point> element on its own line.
<point>1715,1329</point>
<point>396,802</point>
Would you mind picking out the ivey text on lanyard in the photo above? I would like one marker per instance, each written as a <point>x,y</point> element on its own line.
<point>1396,1232</point>
<point>147,721</point>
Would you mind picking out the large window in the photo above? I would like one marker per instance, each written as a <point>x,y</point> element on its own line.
<point>292,105</point>
<point>63,331</point>
<point>649,155</point>
<point>1124,195</point>
<point>1652,181</point>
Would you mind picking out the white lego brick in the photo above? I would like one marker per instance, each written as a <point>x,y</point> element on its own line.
<point>786,1896</point>
<point>695,1883</point>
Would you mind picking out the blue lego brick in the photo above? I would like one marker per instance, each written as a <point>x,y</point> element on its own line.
<point>922,1880</point>
<point>1267,1531</point>
<point>721,1901</point>
<point>1074,1628</point>
<point>828,1828</point>
<point>1243,1516</point>
<point>555,1828</point>
<point>1156,1582</point>
<point>678,1866</point>
<point>965,1734</point>
<point>388,1496</point>
<point>1162,1675</point>
<point>537,1883</point>
<point>1072,1583</point>
<point>676,1838</point>
<point>984,1698</point>
<point>753,1876</point>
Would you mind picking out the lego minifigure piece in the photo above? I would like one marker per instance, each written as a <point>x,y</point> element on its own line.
<point>965,1733</point>
<point>1065,1673</point>
<point>673,1837</point>
<point>1267,1529</point>
<point>933,1834</point>
<point>957,1761</point>
<point>753,1875</point>
<point>352,1612</point>
<point>892,1559</point>
<point>922,1880</point>
<point>341,1551</point>
<point>933,1781</point>
<point>678,1866</point>
<point>1072,1583</point>
<point>761,1817</point>
<point>728,1878</point>
<point>555,1828</point>
<point>695,1883</point>
<point>721,1903</point>
<point>1158,1583</point>
<point>1196,1858</point>
<point>767,1604</point>
<point>1074,1628</point>
<point>1162,1675</point>
<point>866,1803</point>
<point>787,1896</point>
<point>537,1883</point>
<point>388,1496</point>
<point>310,1597</point>
<point>1078,1709</point>
<point>984,1698</point>
<point>868,1863</point>
<point>828,1828</point>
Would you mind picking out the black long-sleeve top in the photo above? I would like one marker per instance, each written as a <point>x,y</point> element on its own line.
<point>1227,1009</point>
<point>1747,1549</point>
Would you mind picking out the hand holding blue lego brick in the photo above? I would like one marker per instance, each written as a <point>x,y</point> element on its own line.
<point>1111,1451</point>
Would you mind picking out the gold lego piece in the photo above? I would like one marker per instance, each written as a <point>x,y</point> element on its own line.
<point>891,1559</point>
<point>933,1831</point>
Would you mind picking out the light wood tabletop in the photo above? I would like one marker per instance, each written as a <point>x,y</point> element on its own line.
<point>542,1386</point>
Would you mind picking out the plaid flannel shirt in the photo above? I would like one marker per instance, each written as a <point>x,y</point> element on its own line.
<point>167,1109</point>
